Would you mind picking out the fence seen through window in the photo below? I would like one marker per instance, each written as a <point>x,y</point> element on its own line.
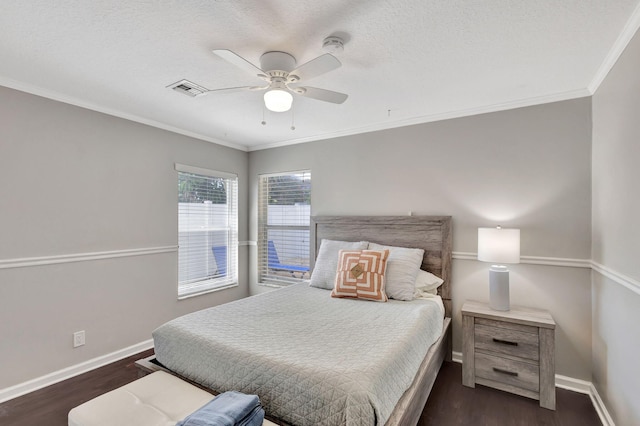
<point>207,230</point>
<point>283,227</point>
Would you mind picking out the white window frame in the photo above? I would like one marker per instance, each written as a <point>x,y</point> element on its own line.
<point>283,246</point>
<point>209,282</point>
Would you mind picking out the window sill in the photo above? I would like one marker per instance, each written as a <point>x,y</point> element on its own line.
<point>274,285</point>
<point>196,293</point>
<point>280,284</point>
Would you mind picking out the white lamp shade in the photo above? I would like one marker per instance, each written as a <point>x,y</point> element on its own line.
<point>278,100</point>
<point>498,245</point>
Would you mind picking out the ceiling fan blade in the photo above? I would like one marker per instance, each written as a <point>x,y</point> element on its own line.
<point>315,67</point>
<point>239,62</point>
<point>236,89</point>
<point>321,94</point>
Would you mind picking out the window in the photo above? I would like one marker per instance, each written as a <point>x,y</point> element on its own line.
<point>284,207</point>
<point>207,230</point>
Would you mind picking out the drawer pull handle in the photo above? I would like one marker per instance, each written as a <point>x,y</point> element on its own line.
<point>505,342</point>
<point>508,373</point>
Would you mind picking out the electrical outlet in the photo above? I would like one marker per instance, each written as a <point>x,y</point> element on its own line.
<point>78,338</point>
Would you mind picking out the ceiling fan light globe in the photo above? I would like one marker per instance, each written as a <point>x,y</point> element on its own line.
<point>278,100</point>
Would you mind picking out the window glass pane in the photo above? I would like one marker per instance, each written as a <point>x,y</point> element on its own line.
<point>207,232</point>
<point>283,241</point>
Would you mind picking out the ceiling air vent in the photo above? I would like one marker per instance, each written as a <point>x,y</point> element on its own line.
<point>188,88</point>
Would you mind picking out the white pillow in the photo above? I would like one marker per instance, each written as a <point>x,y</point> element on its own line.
<point>324,271</point>
<point>402,269</point>
<point>426,282</point>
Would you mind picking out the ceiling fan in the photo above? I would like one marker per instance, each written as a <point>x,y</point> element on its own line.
<point>279,70</point>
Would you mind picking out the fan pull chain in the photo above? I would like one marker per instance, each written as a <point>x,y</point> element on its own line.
<point>293,118</point>
<point>264,123</point>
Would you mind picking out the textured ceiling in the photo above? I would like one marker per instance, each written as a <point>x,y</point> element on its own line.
<point>405,61</point>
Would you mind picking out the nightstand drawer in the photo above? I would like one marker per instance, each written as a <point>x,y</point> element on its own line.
<point>513,351</point>
<point>515,373</point>
<point>511,326</point>
<point>507,341</point>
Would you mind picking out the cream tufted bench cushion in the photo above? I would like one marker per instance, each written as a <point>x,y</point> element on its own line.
<point>158,399</point>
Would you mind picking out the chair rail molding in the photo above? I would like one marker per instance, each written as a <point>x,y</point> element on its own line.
<point>83,257</point>
<point>534,260</point>
<point>623,280</point>
<point>618,277</point>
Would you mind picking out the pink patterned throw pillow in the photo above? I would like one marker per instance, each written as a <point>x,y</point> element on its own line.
<point>360,275</point>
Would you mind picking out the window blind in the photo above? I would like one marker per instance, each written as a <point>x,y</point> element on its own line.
<point>284,208</point>
<point>207,230</point>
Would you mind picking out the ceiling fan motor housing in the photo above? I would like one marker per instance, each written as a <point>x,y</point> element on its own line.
<point>277,61</point>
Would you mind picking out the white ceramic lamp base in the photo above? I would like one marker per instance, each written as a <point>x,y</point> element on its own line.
<point>499,288</point>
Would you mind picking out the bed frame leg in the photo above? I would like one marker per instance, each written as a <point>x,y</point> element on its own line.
<point>449,355</point>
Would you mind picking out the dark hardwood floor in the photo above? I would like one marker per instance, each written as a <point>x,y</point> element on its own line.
<point>450,403</point>
<point>49,406</point>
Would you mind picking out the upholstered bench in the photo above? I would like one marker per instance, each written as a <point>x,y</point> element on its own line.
<point>158,399</point>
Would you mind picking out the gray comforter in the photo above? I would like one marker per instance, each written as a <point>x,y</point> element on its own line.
<point>312,359</point>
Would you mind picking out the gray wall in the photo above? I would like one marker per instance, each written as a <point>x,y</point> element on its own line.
<point>66,174</point>
<point>73,181</point>
<point>528,168</point>
<point>616,209</point>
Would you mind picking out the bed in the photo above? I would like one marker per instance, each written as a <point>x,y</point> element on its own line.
<point>379,372</point>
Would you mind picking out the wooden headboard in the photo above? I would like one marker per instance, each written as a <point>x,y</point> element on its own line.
<point>430,233</point>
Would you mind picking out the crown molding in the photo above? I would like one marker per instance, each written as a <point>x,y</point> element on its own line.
<point>519,103</point>
<point>57,96</point>
<point>625,36</point>
<point>484,109</point>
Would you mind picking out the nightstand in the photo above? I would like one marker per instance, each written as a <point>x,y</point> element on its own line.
<point>513,351</point>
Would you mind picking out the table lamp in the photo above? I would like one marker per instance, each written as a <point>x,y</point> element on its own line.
<point>499,246</point>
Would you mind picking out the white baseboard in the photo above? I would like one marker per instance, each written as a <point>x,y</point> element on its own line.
<point>601,409</point>
<point>69,372</point>
<point>588,388</point>
<point>575,385</point>
<point>564,382</point>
